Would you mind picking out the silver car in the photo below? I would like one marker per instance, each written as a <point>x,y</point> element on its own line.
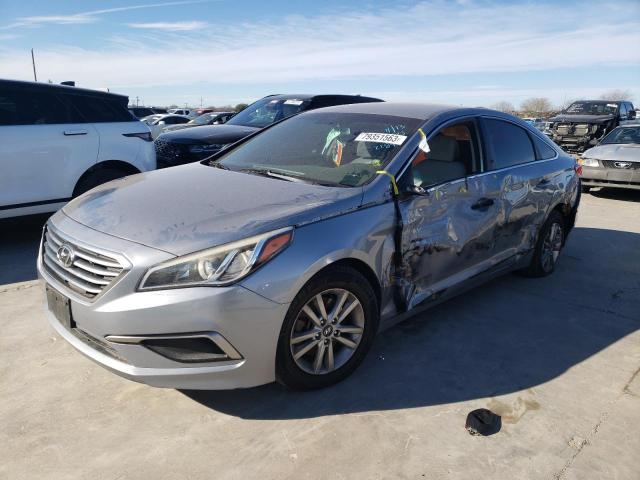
<point>615,161</point>
<point>282,257</point>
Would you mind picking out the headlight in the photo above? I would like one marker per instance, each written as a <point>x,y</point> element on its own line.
<point>213,148</point>
<point>218,266</point>
<point>588,162</point>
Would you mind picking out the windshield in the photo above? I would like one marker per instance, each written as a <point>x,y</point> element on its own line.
<point>592,108</point>
<point>267,111</point>
<point>335,149</point>
<point>623,135</point>
<point>203,119</point>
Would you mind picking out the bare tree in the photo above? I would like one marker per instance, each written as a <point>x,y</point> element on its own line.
<point>536,106</point>
<point>503,106</point>
<point>617,94</point>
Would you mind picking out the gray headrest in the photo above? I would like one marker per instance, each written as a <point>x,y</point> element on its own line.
<point>443,148</point>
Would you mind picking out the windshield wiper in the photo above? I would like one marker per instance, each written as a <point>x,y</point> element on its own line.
<point>216,164</point>
<point>265,172</point>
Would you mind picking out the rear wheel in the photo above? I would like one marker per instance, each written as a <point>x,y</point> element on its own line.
<point>586,189</point>
<point>548,246</point>
<point>328,330</point>
<point>97,177</point>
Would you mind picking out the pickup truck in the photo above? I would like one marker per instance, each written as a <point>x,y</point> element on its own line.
<point>585,122</point>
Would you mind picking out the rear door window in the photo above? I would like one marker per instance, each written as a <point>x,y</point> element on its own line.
<point>509,144</point>
<point>99,110</point>
<point>22,106</point>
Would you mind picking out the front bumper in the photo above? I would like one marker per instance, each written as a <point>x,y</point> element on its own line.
<point>575,144</point>
<point>611,177</point>
<point>249,323</point>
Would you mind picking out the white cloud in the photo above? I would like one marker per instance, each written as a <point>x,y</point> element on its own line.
<point>90,16</point>
<point>429,38</point>
<point>170,26</point>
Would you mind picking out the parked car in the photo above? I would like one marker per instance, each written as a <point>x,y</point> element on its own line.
<point>141,112</point>
<point>585,122</point>
<point>159,123</point>
<point>159,110</point>
<point>615,162</point>
<point>536,122</point>
<point>193,144</point>
<point>214,118</point>
<point>185,112</point>
<point>57,142</point>
<point>282,256</point>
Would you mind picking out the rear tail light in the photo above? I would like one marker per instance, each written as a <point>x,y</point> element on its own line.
<point>146,136</point>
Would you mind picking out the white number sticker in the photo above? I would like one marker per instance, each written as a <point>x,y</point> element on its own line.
<point>391,138</point>
<point>293,102</point>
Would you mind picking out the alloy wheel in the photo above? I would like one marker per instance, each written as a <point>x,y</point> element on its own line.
<point>551,246</point>
<point>327,331</point>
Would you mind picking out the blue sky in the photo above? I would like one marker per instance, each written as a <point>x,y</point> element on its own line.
<point>470,52</point>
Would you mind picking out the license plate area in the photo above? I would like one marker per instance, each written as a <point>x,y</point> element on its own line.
<point>60,306</point>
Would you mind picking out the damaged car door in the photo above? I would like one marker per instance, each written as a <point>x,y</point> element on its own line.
<point>447,228</point>
<point>522,183</point>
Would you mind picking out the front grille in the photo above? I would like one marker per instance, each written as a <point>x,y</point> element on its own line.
<point>89,272</point>
<point>169,154</point>
<point>97,344</point>
<point>612,164</point>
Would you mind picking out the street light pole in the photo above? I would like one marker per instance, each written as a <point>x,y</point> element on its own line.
<point>33,62</point>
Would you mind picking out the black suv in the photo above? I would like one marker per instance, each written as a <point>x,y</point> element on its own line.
<point>194,144</point>
<point>585,122</point>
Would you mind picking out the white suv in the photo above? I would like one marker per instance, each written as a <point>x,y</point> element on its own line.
<point>57,142</point>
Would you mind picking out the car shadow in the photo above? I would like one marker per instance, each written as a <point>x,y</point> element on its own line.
<point>19,243</point>
<point>511,334</point>
<point>625,195</point>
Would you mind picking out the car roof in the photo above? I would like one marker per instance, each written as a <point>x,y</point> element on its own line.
<point>309,96</point>
<point>420,111</point>
<point>64,88</point>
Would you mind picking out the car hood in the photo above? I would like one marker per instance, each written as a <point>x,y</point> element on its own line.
<point>618,152</point>
<point>582,118</point>
<point>192,207</point>
<point>171,128</point>
<point>212,134</point>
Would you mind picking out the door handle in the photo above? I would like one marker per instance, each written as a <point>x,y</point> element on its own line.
<point>75,132</point>
<point>482,204</point>
<point>543,182</point>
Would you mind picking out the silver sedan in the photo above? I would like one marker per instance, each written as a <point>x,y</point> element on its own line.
<point>281,257</point>
<point>615,161</point>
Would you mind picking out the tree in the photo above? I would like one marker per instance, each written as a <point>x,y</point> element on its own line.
<point>503,106</point>
<point>617,94</point>
<point>536,106</point>
<point>240,107</point>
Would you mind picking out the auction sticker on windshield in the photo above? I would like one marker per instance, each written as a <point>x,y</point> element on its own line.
<point>381,138</point>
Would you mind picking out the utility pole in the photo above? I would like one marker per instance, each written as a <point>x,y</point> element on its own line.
<point>136,100</point>
<point>33,62</point>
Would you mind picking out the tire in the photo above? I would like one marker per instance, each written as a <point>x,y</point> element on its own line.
<point>585,189</point>
<point>97,177</point>
<point>321,336</point>
<point>548,246</point>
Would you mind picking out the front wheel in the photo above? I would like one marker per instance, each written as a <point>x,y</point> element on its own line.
<point>548,247</point>
<point>328,330</point>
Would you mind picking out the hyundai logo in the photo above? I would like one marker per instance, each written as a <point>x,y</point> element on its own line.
<point>65,255</point>
<point>622,164</point>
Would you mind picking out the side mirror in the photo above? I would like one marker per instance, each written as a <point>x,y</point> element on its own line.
<point>631,115</point>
